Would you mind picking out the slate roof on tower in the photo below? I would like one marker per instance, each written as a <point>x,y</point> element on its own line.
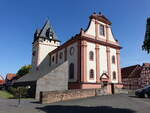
<point>47,32</point>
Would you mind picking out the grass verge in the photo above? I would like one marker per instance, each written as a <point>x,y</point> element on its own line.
<point>6,95</point>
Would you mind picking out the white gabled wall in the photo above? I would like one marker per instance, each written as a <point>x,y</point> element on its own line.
<point>110,34</point>
<point>91,28</point>
<point>91,64</point>
<point>91,31</point>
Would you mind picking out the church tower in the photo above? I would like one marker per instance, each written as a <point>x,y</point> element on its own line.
<point>45,41</point>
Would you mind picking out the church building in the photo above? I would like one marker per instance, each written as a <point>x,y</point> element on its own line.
<point>90,59</point>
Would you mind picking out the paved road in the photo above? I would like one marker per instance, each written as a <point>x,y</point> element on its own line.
<point>103,104</point>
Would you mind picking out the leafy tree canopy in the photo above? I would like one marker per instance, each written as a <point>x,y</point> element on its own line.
<point>23,70</point>
<point>146,43</point>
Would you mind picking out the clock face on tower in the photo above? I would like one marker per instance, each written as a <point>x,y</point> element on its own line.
<point>71,51</point>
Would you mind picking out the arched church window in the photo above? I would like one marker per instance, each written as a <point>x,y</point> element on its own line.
<point>113,59</point>
<point>91,73</point>
<point>91,55</point>
<point>71,51</point>
<point>71,71</point>
<point>114,75</point>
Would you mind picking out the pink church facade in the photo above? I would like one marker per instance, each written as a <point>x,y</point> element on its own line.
<point>93,56</point>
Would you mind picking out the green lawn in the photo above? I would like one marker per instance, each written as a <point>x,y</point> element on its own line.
<point>5,94</point>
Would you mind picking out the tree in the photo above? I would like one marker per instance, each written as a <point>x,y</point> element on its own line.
<point>146,43</point>
<point>23,70</point>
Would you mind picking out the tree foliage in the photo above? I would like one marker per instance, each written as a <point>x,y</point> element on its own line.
<point>146,43</point>
<point>23,70</point>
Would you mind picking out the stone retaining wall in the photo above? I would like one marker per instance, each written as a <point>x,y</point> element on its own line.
<point>55,96</point>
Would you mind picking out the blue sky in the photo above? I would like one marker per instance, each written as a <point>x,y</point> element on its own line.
<point>20,18</point>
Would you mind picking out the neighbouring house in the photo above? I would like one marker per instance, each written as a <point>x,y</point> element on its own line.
<point>2,81</point>
<point>130,76</point>
<point>9,79</point>
<point>136,76</point>
<point>145,75</point>
<point>90,59</point>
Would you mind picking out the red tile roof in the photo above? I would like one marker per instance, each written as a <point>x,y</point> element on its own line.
<point>146,64</point>
<point>131,71</point>
<point>10,76</point>
<point>2,82</point>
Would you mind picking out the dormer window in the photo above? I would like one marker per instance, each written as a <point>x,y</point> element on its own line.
<point>102,30</point>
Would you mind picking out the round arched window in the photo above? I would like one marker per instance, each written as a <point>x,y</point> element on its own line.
<point>71,51</point>
<point>91,55</point>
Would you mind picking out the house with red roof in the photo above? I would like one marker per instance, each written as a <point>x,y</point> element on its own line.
<point>2,81</point>
<point>9,78</point>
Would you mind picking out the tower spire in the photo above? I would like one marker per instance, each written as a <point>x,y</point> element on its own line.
<point>47,32</point>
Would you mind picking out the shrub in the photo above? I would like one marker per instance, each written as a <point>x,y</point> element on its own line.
<point>19,91</point>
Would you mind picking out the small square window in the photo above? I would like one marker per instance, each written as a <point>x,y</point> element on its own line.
<point>102,31</point>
